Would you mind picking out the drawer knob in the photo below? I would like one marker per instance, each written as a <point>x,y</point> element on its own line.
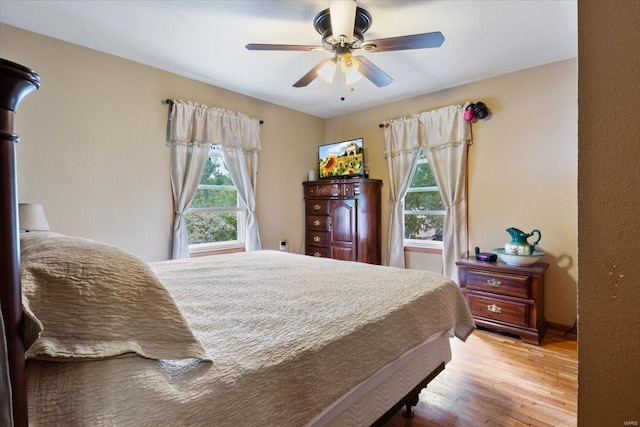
<point>316,207</point>
<point>317,254</point>
<point>316,239</point>
<point>494,283</point>
<point>494,308</point>
<point>316,222</point>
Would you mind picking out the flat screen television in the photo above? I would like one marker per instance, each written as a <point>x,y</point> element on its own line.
<point>341,159</point>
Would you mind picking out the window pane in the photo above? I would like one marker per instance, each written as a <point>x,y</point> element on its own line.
<point>423,227</point>
<point>210,227</point>
<point>423,201</point>
<point>215,198</point>
<point>215,173</point>
<point>423,176</point>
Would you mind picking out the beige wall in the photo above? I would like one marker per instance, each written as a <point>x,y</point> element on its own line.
<point>522,167</point>
<point>92,146</point>
<point>608,206</point>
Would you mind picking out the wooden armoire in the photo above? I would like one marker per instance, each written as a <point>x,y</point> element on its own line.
<point>342,219</point>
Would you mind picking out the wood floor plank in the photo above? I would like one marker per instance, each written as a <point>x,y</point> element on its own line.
<point>497,380</point>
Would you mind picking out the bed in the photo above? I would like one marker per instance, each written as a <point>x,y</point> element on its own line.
<point>257,338</point>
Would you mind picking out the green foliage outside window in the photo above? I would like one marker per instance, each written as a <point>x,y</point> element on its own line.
<point>215,190</point>
<point>423,205</point>
<point>210,227</point>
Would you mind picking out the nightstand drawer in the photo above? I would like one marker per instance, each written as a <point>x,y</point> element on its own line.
<point>498,283</point>
<point>317,238</point>
<point>504,311</point>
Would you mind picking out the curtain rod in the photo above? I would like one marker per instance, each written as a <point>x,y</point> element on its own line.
<point>170,102</point>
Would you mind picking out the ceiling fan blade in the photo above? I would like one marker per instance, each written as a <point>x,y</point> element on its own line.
<point>343,18</point>
<point>293,47</point>
<point>311,75</point>
<point>414,41</point>
<point>373,73</point>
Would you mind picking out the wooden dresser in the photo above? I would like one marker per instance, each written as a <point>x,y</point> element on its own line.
<point>506,298</point>
<point>342,219</point>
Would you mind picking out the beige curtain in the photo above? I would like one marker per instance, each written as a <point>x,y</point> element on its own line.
<point>443,134</point>
<point>193,129</point>
<point>401,151</point>
<point>241,157</point>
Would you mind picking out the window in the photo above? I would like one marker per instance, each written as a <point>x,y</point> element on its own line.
<point>424,209</point>
<point>216,217</point>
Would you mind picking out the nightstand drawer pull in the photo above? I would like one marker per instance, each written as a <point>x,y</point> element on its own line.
<point>317,254</point>
<point>316,222</point>
<point>494,308</point>
<point>316,239</point>
<point>494,283</point>
<point>316,207</point>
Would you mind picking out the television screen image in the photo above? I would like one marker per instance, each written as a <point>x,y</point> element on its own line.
<point>341,159</point>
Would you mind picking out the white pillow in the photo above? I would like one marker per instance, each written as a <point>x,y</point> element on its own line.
<point>86,300</point>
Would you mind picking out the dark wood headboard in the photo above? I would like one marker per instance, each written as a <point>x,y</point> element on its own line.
<point>16,82</point>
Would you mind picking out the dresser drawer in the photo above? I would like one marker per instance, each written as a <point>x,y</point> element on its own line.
<point>351,189</point>
<point>318,223</point>
<point>317,238</point>
<point>322,190</point>
<point>511,312</point>
<point>498,283</point>
<point>317,251</point>
<point>316,207</point>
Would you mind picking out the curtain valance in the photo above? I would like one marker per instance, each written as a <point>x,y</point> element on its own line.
<point>428,129</point>
<point>443,127</point>
<point>197,123</point>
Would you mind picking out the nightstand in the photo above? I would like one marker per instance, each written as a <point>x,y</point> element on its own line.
<point>505,298</point>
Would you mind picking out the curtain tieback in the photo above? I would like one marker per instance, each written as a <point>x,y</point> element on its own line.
<point>456,203</point>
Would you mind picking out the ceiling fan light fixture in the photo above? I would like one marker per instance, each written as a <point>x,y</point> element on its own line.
<point>352,76</point>
<point>328,70</point>
<point>349,65</point>
<point>349,62</point>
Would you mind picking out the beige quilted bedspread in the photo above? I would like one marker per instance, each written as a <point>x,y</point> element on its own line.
<point>287,334</point>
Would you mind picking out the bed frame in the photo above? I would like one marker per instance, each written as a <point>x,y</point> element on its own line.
<point>16,82</point>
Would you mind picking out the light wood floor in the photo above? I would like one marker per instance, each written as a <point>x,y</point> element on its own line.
<point>497,380</point>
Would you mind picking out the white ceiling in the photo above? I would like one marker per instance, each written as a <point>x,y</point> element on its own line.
<point>205,40</point>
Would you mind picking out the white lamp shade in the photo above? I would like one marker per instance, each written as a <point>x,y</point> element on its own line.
<point>31,217</point>
<point>327,71</point>
<point>352,76</point>
<point>349,66</point>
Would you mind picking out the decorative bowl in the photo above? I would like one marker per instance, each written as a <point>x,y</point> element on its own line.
<point>515,259</point>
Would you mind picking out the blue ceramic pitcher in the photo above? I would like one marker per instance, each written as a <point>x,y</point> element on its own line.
<point>519,244</point>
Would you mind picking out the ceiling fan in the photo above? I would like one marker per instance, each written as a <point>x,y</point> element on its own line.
<point>342,27</point>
